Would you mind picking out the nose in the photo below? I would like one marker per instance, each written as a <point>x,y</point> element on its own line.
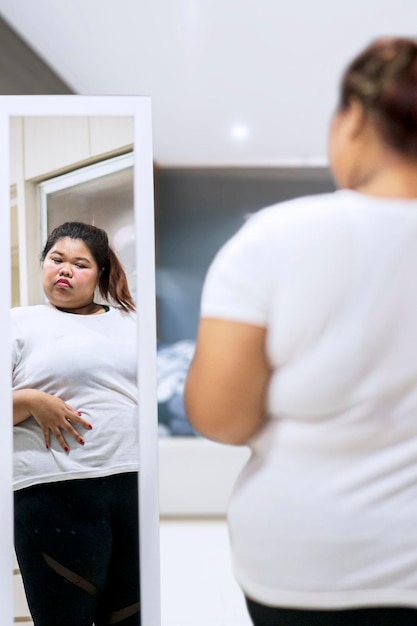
<point>65,270</point>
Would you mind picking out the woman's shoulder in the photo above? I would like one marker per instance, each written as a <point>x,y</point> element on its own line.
<point>31,311</point>
<point>128,316</point>
<point>319,213</point>
<point>303,207</point>
<point>29,320</point>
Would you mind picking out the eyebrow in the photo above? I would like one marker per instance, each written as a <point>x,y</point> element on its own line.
<point>78,258</point>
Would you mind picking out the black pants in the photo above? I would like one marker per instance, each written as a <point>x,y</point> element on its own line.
<point>389,616</point>
<point>77,545</point>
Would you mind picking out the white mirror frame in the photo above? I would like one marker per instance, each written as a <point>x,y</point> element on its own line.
<point>139,108</point>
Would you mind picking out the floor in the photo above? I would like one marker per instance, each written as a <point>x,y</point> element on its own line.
<point>197,583</point>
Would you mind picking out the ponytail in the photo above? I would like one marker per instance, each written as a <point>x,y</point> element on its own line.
<point>113,283</point>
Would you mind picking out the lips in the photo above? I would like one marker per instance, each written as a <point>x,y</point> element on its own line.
<point>63,282</point>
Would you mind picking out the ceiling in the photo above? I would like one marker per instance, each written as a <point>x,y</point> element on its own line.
<point>232,82</point>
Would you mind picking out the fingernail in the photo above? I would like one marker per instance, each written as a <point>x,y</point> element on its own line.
<point>47,446</point>
<point>79,413</point>
<point>90,427</point>
<point>66,449</point>
<point>81,441</point>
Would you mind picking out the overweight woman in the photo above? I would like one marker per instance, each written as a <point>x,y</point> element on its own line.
<point>75,437</point>
<point>307,352</point>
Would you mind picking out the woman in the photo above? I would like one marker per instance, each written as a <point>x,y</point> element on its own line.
<point>307,352</point>
<point>75,437</point>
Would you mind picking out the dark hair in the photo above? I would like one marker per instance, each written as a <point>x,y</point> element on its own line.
<point>383,77</point>
<point>112,279</point>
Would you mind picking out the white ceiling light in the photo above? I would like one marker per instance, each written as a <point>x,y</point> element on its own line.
<point>239,132</point>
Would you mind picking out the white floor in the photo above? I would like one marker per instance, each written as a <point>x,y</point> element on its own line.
<point>197,584</point>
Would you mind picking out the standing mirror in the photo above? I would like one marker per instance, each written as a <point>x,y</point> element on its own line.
<point>86,159</point>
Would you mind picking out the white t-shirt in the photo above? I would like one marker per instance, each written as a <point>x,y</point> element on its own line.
<point>325,512</point>
<point>89,361</point>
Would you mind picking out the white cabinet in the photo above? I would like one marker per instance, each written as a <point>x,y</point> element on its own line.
<point>15,148</point>
<point>110,133</point>
<point>54,143</point>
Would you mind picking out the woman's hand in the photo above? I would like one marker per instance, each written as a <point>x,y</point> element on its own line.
<point>52,414</point>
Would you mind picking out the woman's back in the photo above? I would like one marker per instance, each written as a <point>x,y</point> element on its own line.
<point>332,482</point>
<point>306,350</point>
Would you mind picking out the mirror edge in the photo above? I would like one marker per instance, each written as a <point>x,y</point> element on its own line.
<point>6,432</point>
<point>139,108</point>
<point>147,392</point>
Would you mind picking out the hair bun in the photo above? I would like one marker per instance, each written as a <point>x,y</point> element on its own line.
<point>384,78</point>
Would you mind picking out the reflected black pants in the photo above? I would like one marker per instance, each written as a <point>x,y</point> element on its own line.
<point>262,615</point>
<point>77,545</point>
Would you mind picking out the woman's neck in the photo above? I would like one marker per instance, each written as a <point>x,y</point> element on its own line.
<point>89,309</point>
<point>392,177</point>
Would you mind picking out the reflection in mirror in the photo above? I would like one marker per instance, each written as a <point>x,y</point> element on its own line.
<point>74,362</point>
<point>100,194</point>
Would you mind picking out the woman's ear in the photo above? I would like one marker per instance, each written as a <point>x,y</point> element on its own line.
<point>355,119</point>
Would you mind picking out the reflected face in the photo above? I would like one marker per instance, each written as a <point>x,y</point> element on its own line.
<point>70,274</point>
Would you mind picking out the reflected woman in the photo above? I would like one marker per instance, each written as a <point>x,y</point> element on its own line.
<point>307,352</point>
<point>75,437</point>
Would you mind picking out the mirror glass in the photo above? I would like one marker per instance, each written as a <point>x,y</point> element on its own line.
<point>90,167</point>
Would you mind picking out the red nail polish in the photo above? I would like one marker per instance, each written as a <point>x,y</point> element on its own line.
<point>81,441</point>
<point>90,427</point>
<point>47,446</point>
<point>79,413</point>
<point>66,449</point>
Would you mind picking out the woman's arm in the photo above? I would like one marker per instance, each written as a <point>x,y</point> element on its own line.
<point>51,413</point>
<point>23,400</point>
<point>225,391</point>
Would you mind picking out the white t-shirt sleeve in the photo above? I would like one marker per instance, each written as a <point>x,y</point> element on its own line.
<point>237,283</point>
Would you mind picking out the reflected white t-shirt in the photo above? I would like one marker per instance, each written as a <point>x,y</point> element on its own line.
<point>89,361</point>
<point>324,515</point>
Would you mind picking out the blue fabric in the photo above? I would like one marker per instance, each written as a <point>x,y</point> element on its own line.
<point>173,361</point>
